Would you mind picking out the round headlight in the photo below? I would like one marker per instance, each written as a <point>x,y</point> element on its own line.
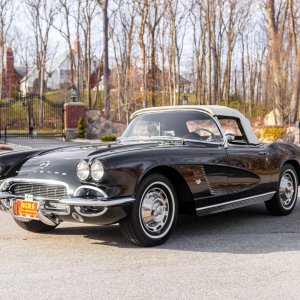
<point>83,170</point>
<point>97,170</point>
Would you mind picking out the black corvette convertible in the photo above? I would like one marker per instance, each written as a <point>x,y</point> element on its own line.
<point>170,160</point>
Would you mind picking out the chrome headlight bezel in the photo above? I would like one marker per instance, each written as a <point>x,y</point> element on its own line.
<point>83,170</point>
<point>97,170</point>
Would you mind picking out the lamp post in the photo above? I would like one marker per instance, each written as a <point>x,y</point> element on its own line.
<point>74,93</point>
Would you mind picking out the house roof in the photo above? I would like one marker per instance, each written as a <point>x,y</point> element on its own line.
<point>53,64</point>
<point>184,80</point>
<point>21,71</point>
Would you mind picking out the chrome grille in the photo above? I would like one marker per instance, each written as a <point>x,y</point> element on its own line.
<point>39,190</point>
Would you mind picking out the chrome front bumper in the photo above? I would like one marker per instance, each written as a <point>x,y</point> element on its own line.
<point>72,208</point>
<point>51,211</point>
<point>74,201</point>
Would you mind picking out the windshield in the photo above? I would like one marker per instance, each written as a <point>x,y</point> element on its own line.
<point>187,125</point>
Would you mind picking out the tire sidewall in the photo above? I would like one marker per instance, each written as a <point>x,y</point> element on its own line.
<point>286,168</point>
<point>136,220</point>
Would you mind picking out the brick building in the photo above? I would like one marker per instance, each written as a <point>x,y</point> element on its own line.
<point>12,74</point>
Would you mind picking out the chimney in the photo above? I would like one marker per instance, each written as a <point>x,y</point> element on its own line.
<point>10,75</point>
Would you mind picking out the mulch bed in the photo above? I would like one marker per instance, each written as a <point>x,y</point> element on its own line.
<point>5,148</point>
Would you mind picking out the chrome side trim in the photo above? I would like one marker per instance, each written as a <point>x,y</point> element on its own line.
<point>95,203</point>
<point>234,204</point>
<point>206,180</point>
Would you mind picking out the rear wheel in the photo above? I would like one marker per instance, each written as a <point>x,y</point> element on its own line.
<point>154,214</point>
<point>285,198</point>
<point>35,226</point>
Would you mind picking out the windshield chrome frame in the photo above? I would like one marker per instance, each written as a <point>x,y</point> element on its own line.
<point>214,118</point>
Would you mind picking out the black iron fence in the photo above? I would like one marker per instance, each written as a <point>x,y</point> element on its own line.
<point>31,117</point>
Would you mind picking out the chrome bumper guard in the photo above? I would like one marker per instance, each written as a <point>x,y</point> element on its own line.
<point>50,209</point>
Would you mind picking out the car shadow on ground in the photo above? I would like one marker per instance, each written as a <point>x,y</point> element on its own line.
<point>249,230</point>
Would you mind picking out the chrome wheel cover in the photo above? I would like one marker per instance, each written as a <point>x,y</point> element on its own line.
<point>288,189</point>
<point>156,210</point>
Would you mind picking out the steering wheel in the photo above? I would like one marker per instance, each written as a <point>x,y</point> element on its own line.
<point>211,134</point>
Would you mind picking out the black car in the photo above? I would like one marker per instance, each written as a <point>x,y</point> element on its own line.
<point>169,161</point>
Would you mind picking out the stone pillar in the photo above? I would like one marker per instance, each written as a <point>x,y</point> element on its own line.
<point>73,111</point>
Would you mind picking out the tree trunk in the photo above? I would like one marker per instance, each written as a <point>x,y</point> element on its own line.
<point>243,77</point>
<point>153,67</point>
<point>42,87</point>
<point>275,60</point>
<point>105,60</point>
<point>208,101</point>
<point>1,69</point>
<point>296,92</point>
<point>294,106</point>
<point>144,14</point>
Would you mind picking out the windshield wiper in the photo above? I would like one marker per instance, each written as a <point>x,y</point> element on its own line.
<point>158,138</point>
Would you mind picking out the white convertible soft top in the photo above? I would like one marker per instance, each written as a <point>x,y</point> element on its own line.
<point>214,110</point>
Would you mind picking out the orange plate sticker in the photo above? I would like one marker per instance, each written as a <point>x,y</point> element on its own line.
<point>27,209</point>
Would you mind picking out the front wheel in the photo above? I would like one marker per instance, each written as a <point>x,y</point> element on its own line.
<point>154,213</point>
<point>285,199</point>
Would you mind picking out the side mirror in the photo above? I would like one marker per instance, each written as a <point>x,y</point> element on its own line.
<point>229,137</point>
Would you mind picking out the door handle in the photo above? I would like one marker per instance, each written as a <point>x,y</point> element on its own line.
<point>263,153</point>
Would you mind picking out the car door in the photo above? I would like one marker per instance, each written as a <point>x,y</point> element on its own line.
<point>249,165</point>
<point>206,167</point>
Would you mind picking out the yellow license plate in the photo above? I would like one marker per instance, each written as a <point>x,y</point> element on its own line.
<point>26,209</point>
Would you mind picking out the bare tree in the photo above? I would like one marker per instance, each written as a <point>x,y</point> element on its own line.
<point>42,16</point>
<point>89,12</point>
<point>104,6</point>
<point>64,28</point>
<point>6,19</point>
<point>143,10</point>
<point>156,12</point>
<point>177,24</point>
<point>122,39</point>
<point>276,51</point>
<point>24,49</point>
<point>296,82</point>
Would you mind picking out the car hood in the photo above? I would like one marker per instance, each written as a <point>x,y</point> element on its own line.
<point>90,151</point>
<point>61,162</point>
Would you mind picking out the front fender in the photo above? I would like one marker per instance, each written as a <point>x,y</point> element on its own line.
<point>11,162</point>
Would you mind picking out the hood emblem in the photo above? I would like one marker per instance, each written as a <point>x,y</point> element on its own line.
<point>45,164</point>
